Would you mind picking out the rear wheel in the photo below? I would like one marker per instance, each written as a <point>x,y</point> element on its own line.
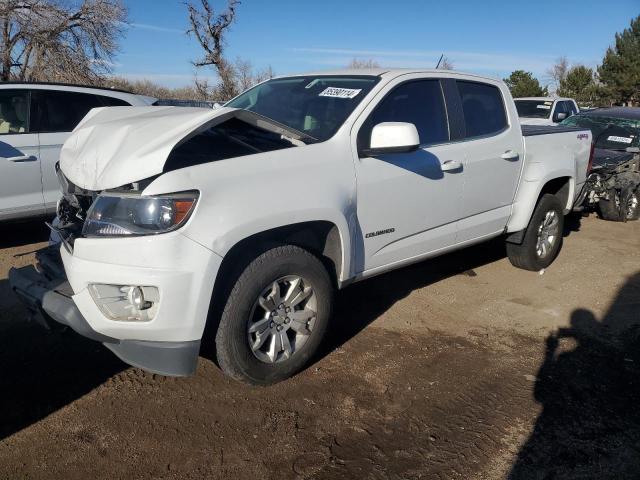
<point>631,202</point>
<point>621,206</point>
<point>543,237</point>
<point>275,317</point>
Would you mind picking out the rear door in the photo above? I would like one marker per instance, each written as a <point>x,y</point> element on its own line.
<point>20,185</point>
<point>493,159</point>
<point>57,114</point>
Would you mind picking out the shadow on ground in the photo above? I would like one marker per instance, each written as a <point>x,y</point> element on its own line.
<point>589,388</point>
<point>41,372</point>
<point>16,234</point>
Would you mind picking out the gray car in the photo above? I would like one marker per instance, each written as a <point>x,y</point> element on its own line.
<point>35,120</point>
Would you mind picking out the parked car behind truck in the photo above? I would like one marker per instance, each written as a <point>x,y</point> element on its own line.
<point>245,219</point>
<point>35,120</point>
<point>613,187</point>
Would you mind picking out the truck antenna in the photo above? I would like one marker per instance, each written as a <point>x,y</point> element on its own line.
<point>438,64</point>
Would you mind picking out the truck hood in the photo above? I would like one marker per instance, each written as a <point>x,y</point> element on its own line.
<point>115,146</point>
<point>604,158</point>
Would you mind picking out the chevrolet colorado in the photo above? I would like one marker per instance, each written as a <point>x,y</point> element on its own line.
<point>245,219</point>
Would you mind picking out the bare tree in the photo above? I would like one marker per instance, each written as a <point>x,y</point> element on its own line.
<point>246,76</point>
<point>357,63</point>
<point>59,40</point>
<point>209,29</point>
<point>558,72</point>
<point>446,64</point>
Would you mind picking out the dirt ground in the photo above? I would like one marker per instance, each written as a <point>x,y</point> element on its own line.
<point>460,367</point>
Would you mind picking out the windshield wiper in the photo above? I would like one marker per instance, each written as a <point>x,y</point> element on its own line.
<point>260,121</point>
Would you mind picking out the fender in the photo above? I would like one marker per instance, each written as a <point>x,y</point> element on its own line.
<point>249,195</point>
<point>533,182</point>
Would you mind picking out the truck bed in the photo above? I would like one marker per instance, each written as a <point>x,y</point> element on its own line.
<point>531,130</point>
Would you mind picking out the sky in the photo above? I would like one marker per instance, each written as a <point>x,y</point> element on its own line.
<point>487,37</point>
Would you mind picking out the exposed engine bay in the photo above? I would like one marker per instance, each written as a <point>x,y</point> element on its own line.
<point>613,186</point>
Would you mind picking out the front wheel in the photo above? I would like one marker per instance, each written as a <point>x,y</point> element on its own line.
<point>543,237</point>
<point>275,317</point>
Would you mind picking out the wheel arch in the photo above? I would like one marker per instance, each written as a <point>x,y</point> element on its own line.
<point>322,238</point>
<point>561,184</point>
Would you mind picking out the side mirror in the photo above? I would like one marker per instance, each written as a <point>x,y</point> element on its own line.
<point>560,117</point>
<point>393,137</point>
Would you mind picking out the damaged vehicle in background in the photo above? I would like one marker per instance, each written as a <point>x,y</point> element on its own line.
<point>613,186</point>
<point>230,229</point>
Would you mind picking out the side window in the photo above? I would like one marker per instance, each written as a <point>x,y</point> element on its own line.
<point>483,108</point>
<point>113,102</point>
<point>14,111</point>
<point>59,111</point>
<point>561,107</point>
<point>419,102</point>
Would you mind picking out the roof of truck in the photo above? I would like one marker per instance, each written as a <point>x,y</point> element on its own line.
<point>379,72</point>
<point>546,99</point>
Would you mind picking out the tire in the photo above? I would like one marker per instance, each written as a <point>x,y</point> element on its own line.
<point>527,255</point>
<point>610,209</point>
<point>631,200</point>
<point>248,316</point>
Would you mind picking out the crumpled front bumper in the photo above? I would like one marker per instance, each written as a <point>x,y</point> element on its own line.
<point>47,295</point>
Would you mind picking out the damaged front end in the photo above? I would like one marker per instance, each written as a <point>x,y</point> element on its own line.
<point>613,186</point>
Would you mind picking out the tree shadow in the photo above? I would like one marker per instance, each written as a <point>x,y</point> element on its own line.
<point>589,388</point>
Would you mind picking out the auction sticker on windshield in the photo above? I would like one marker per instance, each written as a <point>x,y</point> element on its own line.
<point>613,138</point>
<point>336,92</point>
<point>544,107</point>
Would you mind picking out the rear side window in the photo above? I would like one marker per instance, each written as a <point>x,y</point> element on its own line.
<point>419,102</point>
<point>14,111</point>
<point>58,111</point>
<point>483,108</point>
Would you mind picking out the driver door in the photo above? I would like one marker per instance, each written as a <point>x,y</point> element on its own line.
<point>408,203</point>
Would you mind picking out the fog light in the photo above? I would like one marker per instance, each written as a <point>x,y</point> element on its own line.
<point>130,303</point>
<point>136,297</point>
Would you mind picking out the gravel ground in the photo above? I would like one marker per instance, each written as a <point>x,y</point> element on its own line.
<point>460,367</point>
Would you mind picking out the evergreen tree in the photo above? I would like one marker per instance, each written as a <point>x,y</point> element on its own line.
<point>524,84</point>
<point>620,69</point>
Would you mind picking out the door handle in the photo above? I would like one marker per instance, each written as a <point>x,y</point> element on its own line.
<point>450,165</point>
<point>21,158</point>
<point>510,155</point>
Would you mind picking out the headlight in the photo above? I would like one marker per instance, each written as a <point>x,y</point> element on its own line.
<point>113,215</point>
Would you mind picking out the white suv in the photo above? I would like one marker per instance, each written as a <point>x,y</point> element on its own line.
<point>35,120</point>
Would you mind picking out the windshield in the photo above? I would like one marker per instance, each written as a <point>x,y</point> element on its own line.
<point>314,105</point>
<point>534,108</point>
<point>608,133</point>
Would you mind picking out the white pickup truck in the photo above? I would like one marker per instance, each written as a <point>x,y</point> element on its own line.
<point>245,219</point>
<point>545,110</point>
